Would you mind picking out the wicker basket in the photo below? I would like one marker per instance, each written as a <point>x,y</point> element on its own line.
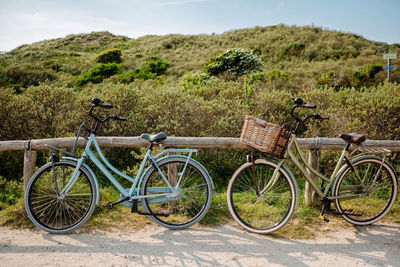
<point>266,137</point>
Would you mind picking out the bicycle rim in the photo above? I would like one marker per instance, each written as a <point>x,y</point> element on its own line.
<point>366,202</point>
<point>261,213</point>
<point>51,211</point>
<point>194,193</point>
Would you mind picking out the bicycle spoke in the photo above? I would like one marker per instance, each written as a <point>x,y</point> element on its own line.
<point>373,197</point>
<point>60,213</point>
<point>264,213</point>
<point>193,189</point>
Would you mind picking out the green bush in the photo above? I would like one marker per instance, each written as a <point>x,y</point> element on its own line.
<point>98,74</point>
<point>110,56</point>
<point>364,76</point>
<point>159,66</point>
<point>151,71</point>
<point>236,61</point>
<point>295,49</point>
<point>357,78</point>
<point>194,81</point>
<point>22,76</point>
<point>335,79</point>
<point>10,191</point>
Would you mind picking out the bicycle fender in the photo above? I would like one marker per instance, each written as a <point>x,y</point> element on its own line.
<point>200,165</point>
<point>84,165</point>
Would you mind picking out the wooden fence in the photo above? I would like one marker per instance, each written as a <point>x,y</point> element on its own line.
<point>314,145</point>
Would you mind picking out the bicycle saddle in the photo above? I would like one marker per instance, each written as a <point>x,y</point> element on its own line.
<point>155,137</point>
<point>353,138</point>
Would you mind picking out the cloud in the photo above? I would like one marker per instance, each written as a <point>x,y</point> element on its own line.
<point>29,27</point>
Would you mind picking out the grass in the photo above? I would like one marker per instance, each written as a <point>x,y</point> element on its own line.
<point>304,53</point>
<point>305,223</point>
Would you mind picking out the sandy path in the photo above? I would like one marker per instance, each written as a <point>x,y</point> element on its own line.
<point>377,245</point>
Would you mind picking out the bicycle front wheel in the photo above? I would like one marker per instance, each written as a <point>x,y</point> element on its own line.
<point>49,209</point>
<point>193,194</point>
<point>365,191</point>
<point>257,211</point>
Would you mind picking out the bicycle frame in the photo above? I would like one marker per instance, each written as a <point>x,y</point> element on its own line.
<point>168,193</point>
<point>342,162</point>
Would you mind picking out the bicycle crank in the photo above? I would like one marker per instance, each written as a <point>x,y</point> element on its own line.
<point>111,205</point>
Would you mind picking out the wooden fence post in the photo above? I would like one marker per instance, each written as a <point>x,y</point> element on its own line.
<point>29,165</point>
<point>313,160</point>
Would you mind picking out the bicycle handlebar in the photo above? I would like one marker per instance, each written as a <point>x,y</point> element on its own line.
<point>320,117</point>
<point>115,117</point>
<point>98,103</point>
<point>299,103</point>
<point>307,106</point>
<point>105,105</point>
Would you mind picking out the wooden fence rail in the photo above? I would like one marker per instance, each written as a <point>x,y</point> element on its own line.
<point>189,142</point>
<point>311,144</point>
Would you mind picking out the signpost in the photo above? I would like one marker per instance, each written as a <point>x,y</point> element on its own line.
<point>389,67</point>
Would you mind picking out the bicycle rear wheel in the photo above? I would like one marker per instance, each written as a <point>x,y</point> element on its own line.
<point>257,212</point>
<point>193,198</point>
<point>366,191</point>
<point>56,213</point>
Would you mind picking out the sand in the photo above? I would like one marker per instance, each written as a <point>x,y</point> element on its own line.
<point>228,245</point>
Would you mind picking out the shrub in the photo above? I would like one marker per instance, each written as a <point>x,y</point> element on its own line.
<point>159,66</point>
<point>110,56</point>
<point>364,75</point>
<point>10,191</point>
<point>25,75</point>
<point>334,79</point>
<point>235,61</point>
<point>373,111</point>
<point>260,76</point>
<point>194,81</point>
<point>294,49</point>
<point>98,74</point>
<point>150,71</point>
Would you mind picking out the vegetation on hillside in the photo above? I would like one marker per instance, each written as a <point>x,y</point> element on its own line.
<point>195,85</point>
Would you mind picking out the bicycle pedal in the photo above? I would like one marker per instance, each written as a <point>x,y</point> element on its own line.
<point>324,218</point>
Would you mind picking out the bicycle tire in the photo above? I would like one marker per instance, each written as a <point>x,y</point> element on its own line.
<point>375,198</point>
<point>196,192</point>
<point>60,214</point>
<point>267,213</point>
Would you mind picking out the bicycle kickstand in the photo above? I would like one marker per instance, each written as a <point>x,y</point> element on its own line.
<point>326,206</point>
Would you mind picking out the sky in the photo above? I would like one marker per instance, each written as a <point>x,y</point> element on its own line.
<point>26,22</point>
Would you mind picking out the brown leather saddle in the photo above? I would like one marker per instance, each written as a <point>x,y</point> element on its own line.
<point>353,138</point>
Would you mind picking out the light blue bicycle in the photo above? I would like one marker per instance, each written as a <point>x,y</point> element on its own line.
<point>174,190</point>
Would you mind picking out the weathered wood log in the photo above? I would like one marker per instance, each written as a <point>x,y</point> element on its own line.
<point>29,165</point>
<point>313,159</point>
<point>189,142</point>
